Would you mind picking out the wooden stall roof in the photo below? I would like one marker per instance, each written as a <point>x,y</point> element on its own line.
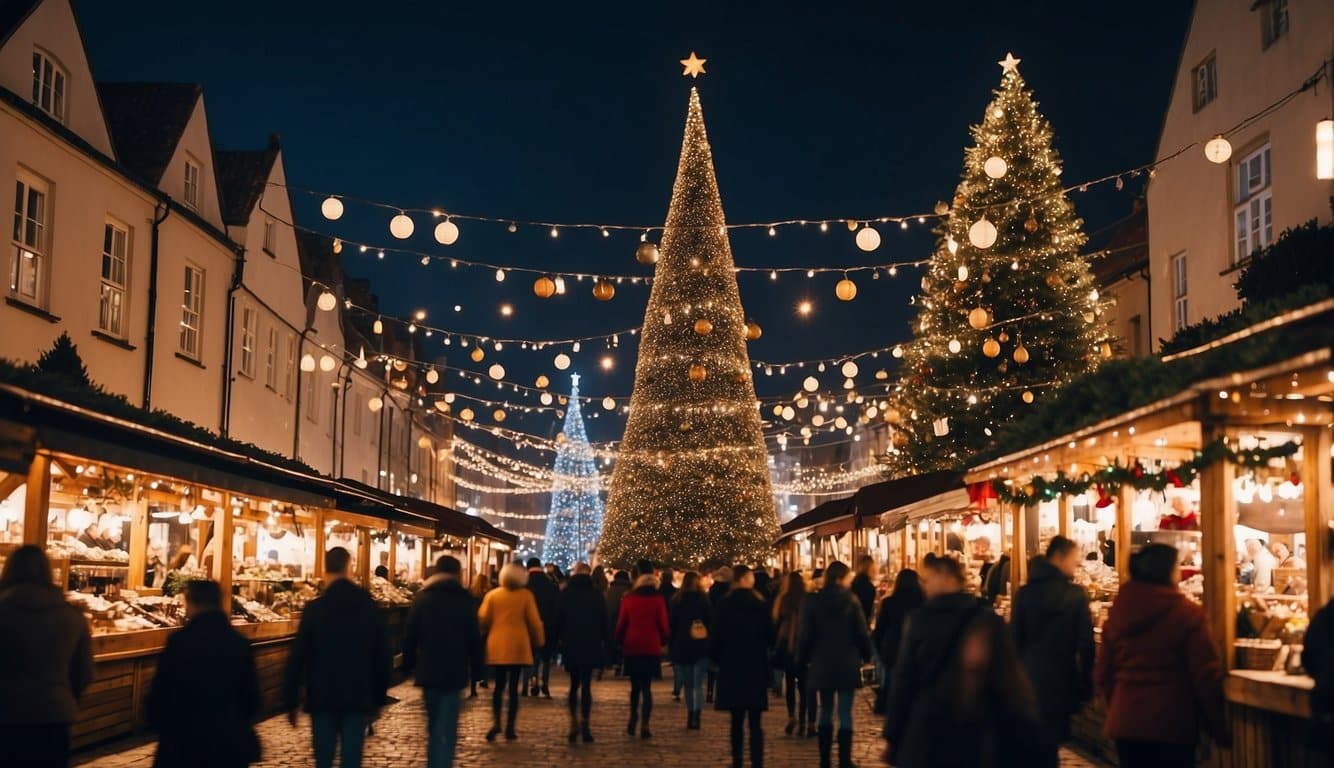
<point>889,500</point>
<point>357,497</point>
<point>837,513</point>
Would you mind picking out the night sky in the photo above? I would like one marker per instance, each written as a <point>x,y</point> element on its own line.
<point>538,111</point>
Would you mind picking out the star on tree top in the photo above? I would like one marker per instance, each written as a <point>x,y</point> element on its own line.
<point>1009,64</point>
<point>694,66</point>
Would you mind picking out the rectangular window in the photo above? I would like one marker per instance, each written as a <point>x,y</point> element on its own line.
<point>192,310</point>
<point>1274,23</point>
<point>1178,292</point>
<point>111,312</point>
<point>289,368</point>
<point>268,236</point>
<point>271,360</point>
<point>192,172</point>
<point>28,263</point>
<point>48,86</point>
<point>249,332</point>
<point>1205,77</point>
<point>1254,214</point>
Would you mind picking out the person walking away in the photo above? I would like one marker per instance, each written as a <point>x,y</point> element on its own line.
<point>581,635</point>
<point>888,633</point>
<point>46,662</point>
<point>764,588</point>
<point>1158,671</point>
<point>616,592</point>
<point>1318,659</point>
<point>863,586</point>
<point>786,614</point>
<point>340,658</point>
<point>833,644</point>
<point>642,631</point>
<point>738,641</point>
<point>689,619</point>
<point>481,584</point>
<point>722,584</point>
<point>931,638</point>
<point>1053,632</point>
<point>545,591</point>
<point>442,649</point>
<point>997,582</point>
<point>205,694</point>
<point>513,627</point>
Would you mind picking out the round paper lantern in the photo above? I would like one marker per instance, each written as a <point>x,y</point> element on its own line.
<point>955,346</point>
<point>845,290</point>
<point>982,234</point>
<point>1021,354</point>
<point>544,287</point>
<point>1218,150</point>
<point>603,290</point>
<point>1028,396</point>
<point>840,422</point>
<point>991,348</point>
<point>868,239</point>
<point>753,330</point>
<point>788,413</point>
<point>850,369</point>
<point>703,327</point>
<point>477,354</point>
<point>327,301</point>
<point>994,167</point>
<point>401,226</point>
<point>810,384</point>
<point>497,371</point>
<point>498,415</point>
<point>609,403</point>
<point>817,420</point>
<point>647,253</point>
<point>446,232</point>
<point>546,398</point>
<point>542,381</point>
<point>698,372</point>
<point>432,376</point>
<point>466,414</point>
<point>978,318</point>
<point>375,404</point>
<point>562,361</point>
<point>332,208</point>
<point>442,406</point>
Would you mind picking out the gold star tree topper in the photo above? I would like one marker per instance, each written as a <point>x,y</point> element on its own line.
<point>694,66</point>
<point>1009,64</point>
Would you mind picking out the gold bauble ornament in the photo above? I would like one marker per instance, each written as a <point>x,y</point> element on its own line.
<point>703,327</point>
<point>1030,225</point>
<point>698,372</point>
<point>544,287</point>
<point>1004,366</point>
<point>477,354</point>
<point>845,290</point>
<point>852,225</point>
<point>542,381</point>
<point>685,427</point>
<point>647,253</point>
<point>942,208</point>
<point>900,439</point>
<point>1054,280</point>
<point>1021,354</point>
<point>991,348</point>
<point>979,318</point>
<point>1004,337</point>
<point>1027,396</point>
<point>753,330</point>
<point>603,290</point>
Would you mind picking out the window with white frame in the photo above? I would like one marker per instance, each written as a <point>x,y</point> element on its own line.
<point>192,174</point>
<point>192,311</point>
<point>48,86</point>
<point>1274,23</point>
<point>1205,77</point>
<point>1254,214</point>
<point>115,264</point>
<point>30,236</point>
<point>268,237</point>
<point>271,360</point>
<point>289,368</point>
<point>1179,292</point>
<point>249,333</point>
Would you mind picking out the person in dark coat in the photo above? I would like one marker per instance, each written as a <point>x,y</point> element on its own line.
<point>786,613</point>
<point>998,580</point>
<point>340,657</point>
<point>46,662</point>
<point>689,617</point>
<point>1158,670</point>
<point>545,591</point>
<point>863,586</point>
<point>722,584</point>
<point>581,634</point>
<point>442,648</point>
<point>833,645</point>
<point>668,587</point>
<point>205,695</point>
<point>1053,632</point>
<point>1318,659</point>
<point>620,585</point>
<point>888,634</point>
<point>738,643</point>
<point>642,631</point>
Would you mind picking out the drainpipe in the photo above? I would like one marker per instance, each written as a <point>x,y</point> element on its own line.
<point>340,446</point>
<point>1147,274</point>
<point>160,213</point>
<point>238,276</point>
<point>296,423</point>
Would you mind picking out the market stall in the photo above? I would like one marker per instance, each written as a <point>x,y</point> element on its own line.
<point>818,537</point>
<point>913,515</point>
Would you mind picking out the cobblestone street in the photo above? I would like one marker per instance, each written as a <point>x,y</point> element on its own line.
<point>399,741</point>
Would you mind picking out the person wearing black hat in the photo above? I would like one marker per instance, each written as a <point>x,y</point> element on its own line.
<point>545,592</point>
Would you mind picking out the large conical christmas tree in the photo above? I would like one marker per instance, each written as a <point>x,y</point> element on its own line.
<point>576,498</point>
<point>691,483</point>
<point>1008,309</point>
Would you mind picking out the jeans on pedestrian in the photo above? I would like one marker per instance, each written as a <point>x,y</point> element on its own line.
<point>844,704</point>
<point>442,726</point>
<point>692,681</point>
<point>541,669</point>
<point>678,676</point>
<point>331,730</point>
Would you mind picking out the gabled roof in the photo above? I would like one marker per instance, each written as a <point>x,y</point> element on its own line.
<point>146,121</point>
<point>878,498</point>
<point>824,513</point>
<point>242,177</point>
<point>12,14</point>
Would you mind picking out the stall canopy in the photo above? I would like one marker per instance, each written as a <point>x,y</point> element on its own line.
<point>894,503</point>
<point>828,518</point>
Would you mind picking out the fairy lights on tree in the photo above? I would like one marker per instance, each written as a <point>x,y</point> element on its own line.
<point>691,482</point>
<point>1008,309</point>
<point>575,518</point>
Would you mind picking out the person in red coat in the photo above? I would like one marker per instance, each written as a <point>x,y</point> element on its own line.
<point>1158,671</point>
<point>642,631</point>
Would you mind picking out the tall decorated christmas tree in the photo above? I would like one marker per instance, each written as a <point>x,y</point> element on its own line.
<point>1008,310</point>
<point>691,482</point>
<point>576,498</point>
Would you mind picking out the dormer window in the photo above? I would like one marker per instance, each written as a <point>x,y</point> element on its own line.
<point>48,86</point>
<point>192,173</point>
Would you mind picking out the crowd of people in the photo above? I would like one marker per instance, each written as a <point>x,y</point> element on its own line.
<point>957,684</point>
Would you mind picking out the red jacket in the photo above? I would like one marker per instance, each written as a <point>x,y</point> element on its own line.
<point>1158,671</point>
<point>641,625</point>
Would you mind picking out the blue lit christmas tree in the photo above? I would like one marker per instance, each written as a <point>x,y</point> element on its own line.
<point>575,519</point>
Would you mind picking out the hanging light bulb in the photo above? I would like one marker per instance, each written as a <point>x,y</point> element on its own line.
<point>361,359</point>
<point>1218,150</point>
<point>332,208</point>
<point>327,301</point>
<point>377,327</point>
<point>432,376</point>
<point>327,363</point>
<point>810,384</point>
<point>850,369</point>
<point>500,275</point>
<point>497,371</point>
<point>375,404</point>
<point>307,362</point>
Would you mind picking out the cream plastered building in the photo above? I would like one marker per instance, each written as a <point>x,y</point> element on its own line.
<point>1206,218</point>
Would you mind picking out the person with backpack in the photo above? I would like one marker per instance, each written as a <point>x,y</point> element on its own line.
<point>689,618</point>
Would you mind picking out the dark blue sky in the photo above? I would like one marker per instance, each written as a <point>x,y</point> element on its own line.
<point>574,112</point>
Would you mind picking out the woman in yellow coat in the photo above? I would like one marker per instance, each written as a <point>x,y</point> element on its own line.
<point>513,628</point>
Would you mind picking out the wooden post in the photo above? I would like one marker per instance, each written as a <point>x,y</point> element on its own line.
<point>363,555</point>
<point>1218,548</point>
<point>1318,503</point>
<point>222,554</point>
<point>1125,523</point>
<point>903,547</point>
<point>320,544</point>
<point>37,502</point>
<point>1019,549</point>
<point>392,565</point>
<point>1064,514</point>
<point>917,552</point>
<point>138,509</point>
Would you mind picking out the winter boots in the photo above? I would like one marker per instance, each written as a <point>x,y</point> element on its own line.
<point>826,740</point>
<point>845,749</point>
